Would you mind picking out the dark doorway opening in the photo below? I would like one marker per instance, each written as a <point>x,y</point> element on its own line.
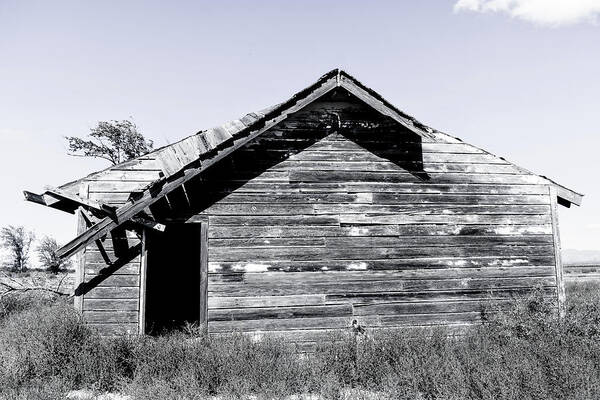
<point>173,278</point>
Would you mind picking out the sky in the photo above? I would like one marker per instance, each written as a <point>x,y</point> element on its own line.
<point>519,78</point>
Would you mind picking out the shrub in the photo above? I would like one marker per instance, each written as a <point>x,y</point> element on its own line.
<point>46,252</point>
<point>524,352</point>
<point>40,343</point>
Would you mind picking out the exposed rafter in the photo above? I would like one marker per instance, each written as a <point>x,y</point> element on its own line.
<point>62,200</point>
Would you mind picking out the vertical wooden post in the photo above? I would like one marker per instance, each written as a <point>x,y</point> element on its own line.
<point>204,275</point>
<point>79,263</point>
<point>558,267</point>
<point>84,193</point>
<point>143,275</point>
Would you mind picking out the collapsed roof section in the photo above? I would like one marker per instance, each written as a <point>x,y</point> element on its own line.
<point>171,166</point>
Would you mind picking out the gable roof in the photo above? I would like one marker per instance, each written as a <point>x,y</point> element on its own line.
<point>169,167</point>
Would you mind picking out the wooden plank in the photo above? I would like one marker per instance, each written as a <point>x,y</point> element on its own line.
<point>96,257</point>
<point>301,220</point>
<point>360,176</point>
<point>398,309</point>
<point>113,293</point>
<point>375,276</point>
<point>53,194</point>
<point>268,242</point>
<point>204,274</point>
<point>359,155</point>
<point>467,199</point>
<point>263,232</point>
<point>108,317</point>
<point>126,174</point>
<point>431,262</point>
<point>320,253</point>
<point>80,264</point>
<point>296,197</point>
<point>560,286</point>
<point>215,302</point>
<point>374,219</point>
<point>242,314</point>
<point>434,241</point>
<point>424,209</point>
<point>410,285</point>
<point>439,296</point>
<point>259,209</point>
<point>380,166</point>
<point>131,268</point>
<point>257,189</point>
<point>393,219</point>
<point>117,280</point>
<point>111,304</point>
<point>386,241</point>
<point>117,186</point>
<point>143,277</point>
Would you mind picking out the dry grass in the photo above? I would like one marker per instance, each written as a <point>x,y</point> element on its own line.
<point>524,353</point>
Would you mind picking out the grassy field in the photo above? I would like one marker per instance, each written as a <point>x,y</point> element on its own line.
<point>524,353</point>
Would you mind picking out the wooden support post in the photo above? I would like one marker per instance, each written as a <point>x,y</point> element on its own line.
<point>143,275</point>
<point>204,275</point>
<point>558,267</point>
<point>79,262</point>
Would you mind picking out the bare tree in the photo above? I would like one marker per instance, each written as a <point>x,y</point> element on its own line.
<point>115,141</point>
<point>17,240</point>
<point>46,252</point>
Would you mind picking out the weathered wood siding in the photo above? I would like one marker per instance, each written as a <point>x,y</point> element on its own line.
<point>110,297</point>
<point>339,214</point>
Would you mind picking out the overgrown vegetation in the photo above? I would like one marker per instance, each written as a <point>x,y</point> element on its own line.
<point>524,353</point>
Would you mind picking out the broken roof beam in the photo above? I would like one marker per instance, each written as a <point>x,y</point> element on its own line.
<point>56,198</point>
<point>153,194</point>
<point>34,197</point>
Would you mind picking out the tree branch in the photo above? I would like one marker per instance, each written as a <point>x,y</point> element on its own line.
<point>13,286</point>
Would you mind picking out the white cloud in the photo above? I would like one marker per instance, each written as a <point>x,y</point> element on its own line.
<point>541,12</point>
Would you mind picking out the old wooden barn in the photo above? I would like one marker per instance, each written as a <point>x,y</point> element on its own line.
<point>330,207</point>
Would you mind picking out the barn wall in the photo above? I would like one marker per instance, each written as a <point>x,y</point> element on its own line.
<point>112,303</point>
<point>310,229</point>
<point>110,291</point>
<point>339,214</point>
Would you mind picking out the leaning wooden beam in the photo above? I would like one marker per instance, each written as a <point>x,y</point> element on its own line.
<point>87,203</point>
<point>53,196</point>
<point>150,196</point>
<point>34,197</point>
<point>88,222</point>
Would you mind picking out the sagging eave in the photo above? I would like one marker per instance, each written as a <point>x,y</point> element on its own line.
<point>185,159</point>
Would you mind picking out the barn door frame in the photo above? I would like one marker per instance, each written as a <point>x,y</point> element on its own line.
<point>203,317</point>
